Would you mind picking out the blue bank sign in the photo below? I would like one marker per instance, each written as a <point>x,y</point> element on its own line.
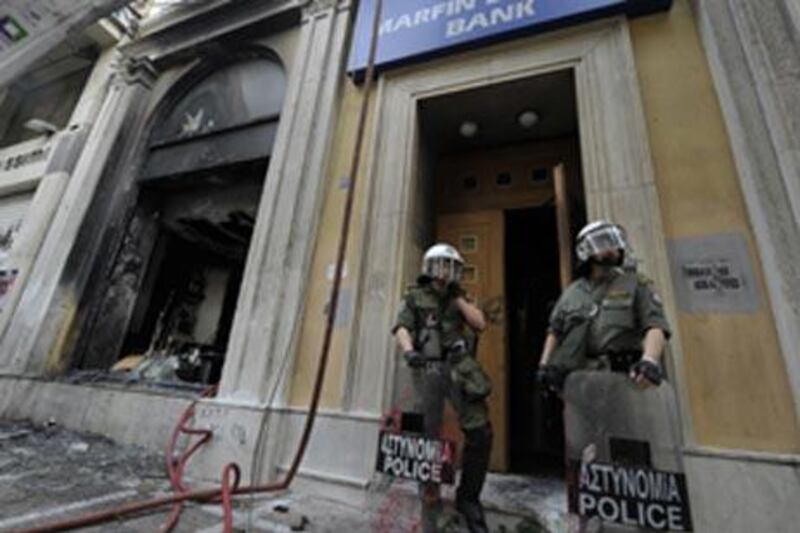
<point>418,29</point>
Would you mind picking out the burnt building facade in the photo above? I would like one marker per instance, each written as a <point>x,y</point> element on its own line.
<point>161,255</point>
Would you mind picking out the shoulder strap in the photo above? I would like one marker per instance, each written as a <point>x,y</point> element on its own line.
<point>629,282</point>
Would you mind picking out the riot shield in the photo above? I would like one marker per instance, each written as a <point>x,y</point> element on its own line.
<point>406,457</point>
<point>624,466</point>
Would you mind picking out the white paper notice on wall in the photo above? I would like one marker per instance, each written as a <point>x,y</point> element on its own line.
<point>713,274</point>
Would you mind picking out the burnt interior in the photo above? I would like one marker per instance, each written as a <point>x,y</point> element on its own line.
<point>171,297</point>
<point>189,295</point>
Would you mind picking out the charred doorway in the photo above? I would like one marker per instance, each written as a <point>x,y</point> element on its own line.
<point>166,304</point>
<point>494,154</point>
<point>187,299</point>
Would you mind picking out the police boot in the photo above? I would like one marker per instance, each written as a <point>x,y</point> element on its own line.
<point>477,446</point>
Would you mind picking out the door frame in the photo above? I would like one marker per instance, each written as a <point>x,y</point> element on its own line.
<point>617,170</point>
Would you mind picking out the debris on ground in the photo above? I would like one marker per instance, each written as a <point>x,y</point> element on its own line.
<point>281,514</point>
<point>49,473</point>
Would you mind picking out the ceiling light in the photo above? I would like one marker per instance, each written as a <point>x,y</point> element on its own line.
<point>528,119</point>
<point>468,129</point>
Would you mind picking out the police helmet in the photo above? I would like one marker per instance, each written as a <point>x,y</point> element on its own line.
<point>442,261</point>
<point>598,237</point>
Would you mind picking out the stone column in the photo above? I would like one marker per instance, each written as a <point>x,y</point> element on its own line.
<point>66,147</point>
<point>754,53</point>
<point>46,306</point>
<point>273,291</point>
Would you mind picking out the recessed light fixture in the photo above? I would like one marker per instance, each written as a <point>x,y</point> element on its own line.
<point>468,129</point>
<point>528,119</point>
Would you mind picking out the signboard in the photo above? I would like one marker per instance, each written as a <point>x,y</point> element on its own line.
<point>713,274</point>
<point>33,157</point>
<point>416,29</point>
<point>630,496</point>
<point>413,456</point>
<point>25,161</point>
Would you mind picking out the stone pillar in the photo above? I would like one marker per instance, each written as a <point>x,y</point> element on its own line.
<point>273,291</point>
<point>66,146</point>
<point>46,308</point>
<point>754,53</point>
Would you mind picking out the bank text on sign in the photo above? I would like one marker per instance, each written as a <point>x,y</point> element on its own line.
<point>415,457</point>
<point>629,495</point>
<point>415,29</point>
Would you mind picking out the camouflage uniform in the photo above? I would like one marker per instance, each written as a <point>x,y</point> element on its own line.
<point>439,330</point>
<point>601,325</point>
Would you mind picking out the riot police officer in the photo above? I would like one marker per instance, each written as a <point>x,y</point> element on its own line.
<point>436,329</point>
<point>611,318</point>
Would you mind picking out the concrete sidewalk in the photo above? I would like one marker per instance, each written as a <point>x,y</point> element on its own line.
<point>48,473</point>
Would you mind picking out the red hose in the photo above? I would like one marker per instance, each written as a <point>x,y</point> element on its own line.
<point>175,468</point>
<point>226,493</point>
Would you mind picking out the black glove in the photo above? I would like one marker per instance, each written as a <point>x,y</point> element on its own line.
<point>414,359</point>
<point>454,290</point>
<point>551,377</point>
<point>649,370</point>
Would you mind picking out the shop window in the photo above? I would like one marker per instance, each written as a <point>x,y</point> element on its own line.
<point>169,307</point>
<point>228,117</point>
<point>189,291</point>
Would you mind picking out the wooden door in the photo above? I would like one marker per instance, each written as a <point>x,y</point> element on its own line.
<point>480,237</point>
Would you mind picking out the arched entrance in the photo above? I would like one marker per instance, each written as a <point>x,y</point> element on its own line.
<point>173,285</point>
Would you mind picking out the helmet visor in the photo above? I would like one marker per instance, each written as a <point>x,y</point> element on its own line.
<point>444,268</point>
<point>601,241</point>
